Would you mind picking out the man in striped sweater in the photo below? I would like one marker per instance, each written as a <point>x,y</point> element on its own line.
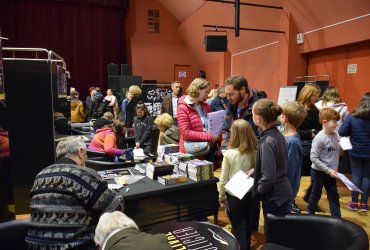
<point>67,200</point>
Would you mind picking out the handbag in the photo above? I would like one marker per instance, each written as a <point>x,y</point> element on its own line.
<point>197,148</point>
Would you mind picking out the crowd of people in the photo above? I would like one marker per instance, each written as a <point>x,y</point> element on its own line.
<point>274,144</point>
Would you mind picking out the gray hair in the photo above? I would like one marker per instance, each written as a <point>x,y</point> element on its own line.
<point>70,146</point>
<point>173,83</point>
<point>112,222</point>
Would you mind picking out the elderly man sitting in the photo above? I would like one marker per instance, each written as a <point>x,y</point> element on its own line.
<point>66,201</point>
<point>116,231</point>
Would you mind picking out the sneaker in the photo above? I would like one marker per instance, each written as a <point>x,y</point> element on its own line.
<point>295,209</point>
<point>352,205</point>
<point>364,207</point>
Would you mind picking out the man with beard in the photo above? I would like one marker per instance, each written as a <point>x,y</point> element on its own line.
<point>169,102</point>
<point>241,99</point>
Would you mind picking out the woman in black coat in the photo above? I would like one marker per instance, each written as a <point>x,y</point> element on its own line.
<point>131,106</point>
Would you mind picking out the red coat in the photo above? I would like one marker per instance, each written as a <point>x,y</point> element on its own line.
<point>190,124</point>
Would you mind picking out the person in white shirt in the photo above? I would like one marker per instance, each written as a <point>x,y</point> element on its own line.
<point>111,103</point>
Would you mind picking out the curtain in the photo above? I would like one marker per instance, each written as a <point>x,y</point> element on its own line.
<point>87,34</point>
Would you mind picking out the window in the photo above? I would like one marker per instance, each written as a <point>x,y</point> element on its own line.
<point>153,21</point>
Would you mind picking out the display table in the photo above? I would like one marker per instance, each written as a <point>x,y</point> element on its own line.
<point>196,235</point>
<point>150,203</point>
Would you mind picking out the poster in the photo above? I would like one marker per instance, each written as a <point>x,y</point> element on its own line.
<point>287,94</point>
<point>61,82</point>
<point>153,95</point>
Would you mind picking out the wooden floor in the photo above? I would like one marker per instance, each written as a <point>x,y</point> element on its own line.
<point>360,218</point>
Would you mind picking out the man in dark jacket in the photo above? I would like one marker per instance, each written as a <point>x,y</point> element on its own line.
<point>67,200</point>
<point>116,231</point>
<point>241,99</point>
<point>169,102</point>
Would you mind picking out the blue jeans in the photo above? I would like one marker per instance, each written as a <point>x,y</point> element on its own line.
<point>360,168</point>
<point>294,176</point>
<point>320,180</point>
<point>240,213</point>
<point>270,207</point>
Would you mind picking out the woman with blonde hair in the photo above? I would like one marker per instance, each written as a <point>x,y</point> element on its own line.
<point>308,96</point>
<point>135,92</point>
<point>169,134</point>
<point>212,95</point>
<point>192,114</point>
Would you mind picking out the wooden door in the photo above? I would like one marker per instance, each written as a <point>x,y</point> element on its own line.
<point>183,74</point>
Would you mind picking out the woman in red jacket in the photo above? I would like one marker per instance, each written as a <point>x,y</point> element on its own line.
<point>192,114</point>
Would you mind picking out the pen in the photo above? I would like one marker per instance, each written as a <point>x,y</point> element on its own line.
<point>127,189</point>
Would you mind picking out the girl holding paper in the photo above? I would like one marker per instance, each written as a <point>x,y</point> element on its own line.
<point>357,126</point>
<point>241,155</point>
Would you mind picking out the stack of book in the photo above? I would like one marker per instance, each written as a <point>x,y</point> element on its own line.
<point>155,169</point>
<point>200,170</point>
<point>172,179</point>
<point>183,167</point>
<point>176,158</point>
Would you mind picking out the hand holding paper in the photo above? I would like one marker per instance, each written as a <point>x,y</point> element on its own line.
<point>239,184</point>
<point>348,183</point>
<point>215,122</point>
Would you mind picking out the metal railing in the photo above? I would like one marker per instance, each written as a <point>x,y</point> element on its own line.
<point>40,54</point>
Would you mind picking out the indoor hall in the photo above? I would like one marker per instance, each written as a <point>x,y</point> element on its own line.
<point>48,47</point>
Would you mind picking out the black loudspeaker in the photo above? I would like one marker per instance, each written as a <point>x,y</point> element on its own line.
<point>126,70</point>
<point>113,82</point>
<point>215,43</point>
<point>112,69</point>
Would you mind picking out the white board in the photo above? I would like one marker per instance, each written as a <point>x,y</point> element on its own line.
<point>287,94</point>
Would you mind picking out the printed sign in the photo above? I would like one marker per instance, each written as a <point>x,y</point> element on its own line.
<point>196,235</point>
<point>351,68</point>
<point>182,74</point>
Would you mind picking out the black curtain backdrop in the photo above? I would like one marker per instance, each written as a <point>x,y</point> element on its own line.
<point>88,34</point>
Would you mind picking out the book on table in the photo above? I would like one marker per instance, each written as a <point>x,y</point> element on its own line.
<point>111,174</point>
<point>155,169</point>
<point>172,179</point>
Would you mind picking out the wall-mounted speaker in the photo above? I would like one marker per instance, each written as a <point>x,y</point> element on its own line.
<point>112,69</point>
<point>215,43</point>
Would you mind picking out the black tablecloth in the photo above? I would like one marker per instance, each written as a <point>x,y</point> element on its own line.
<point>150,203</point>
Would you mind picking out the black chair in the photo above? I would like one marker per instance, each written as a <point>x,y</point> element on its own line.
<point>80,132</point>
<point>314,232</point>
<point>99,165</point>
<point>13,234</point>
<point>91,154</point>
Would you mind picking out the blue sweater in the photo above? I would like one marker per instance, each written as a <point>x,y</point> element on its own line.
<point>359,131</point>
